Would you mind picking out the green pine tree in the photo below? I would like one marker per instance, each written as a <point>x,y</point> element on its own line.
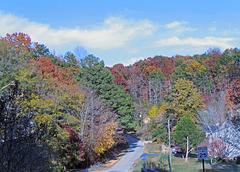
<point>187,134</point>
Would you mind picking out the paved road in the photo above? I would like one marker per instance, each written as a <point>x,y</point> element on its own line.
<point>136,149</point>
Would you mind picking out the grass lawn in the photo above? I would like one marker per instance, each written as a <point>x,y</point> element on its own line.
<point>160,162</point>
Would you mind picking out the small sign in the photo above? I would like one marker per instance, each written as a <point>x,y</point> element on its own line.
<point>202,153</point>
<point>143,158</point>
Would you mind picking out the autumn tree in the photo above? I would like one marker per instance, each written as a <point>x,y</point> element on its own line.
<point>213,64</point>
<point>217,148</point>
<point>147,70</point>
<point>137,84</point>
<point>184,99</point>
<point>21,42</point>
<point>55,97</point>
<point>11,63</point>
<point>60,101</point>
<point>120,80</point>
<point>71,150</point>
<point>118,67</point>
<point>166,65</point>
<point>232,96</point>
<point>194,67</point>
<point>158,121</point>
<point>98,126</point>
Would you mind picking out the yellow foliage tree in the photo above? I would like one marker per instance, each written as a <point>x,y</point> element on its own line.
<point>185,99</point>
<point>153,113</point>
<point>105,140</point>
<point>193,67</point>
<point>54,102</point>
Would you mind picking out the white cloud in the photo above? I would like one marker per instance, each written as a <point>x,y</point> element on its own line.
<point>179,27</point>
<point>131,61</point>
<point>174,24</point>
<point>113,33</point>
<point>190,41</point>
<point>185,29</point>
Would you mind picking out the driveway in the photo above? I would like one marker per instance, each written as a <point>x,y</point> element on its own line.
<point>136,149</point>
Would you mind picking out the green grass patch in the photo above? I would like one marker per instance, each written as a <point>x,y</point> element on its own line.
<point>160,162</point>
<point>153,148</point>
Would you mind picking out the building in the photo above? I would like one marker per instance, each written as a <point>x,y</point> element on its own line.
<point>228,134</point>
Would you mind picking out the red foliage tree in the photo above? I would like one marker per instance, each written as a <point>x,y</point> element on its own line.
<point>137,64</point>
<point>216,147</point>
<point>21,42</point>
<point>211,62</point>
<point>119,80</point>
<point>119,67</point>
<point>44,66</point>
<point>166,65</point>
<point>72,150</point>
<point>153,62</point>
<point>233,91</point>
<point>147,70</point>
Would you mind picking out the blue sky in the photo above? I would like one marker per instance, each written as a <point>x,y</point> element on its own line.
<point>124,31</point>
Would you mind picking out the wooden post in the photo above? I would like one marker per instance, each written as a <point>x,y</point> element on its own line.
<point>170,165</point>
<point>203,165</point>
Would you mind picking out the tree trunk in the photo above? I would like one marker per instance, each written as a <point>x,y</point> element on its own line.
<point>186,160</point>
<point>149,90</point>
<point>155,96</point>
<point>160,90</point>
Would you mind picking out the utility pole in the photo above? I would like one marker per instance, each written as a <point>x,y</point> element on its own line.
<point>170,164</point>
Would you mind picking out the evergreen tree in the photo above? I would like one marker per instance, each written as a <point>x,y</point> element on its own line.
<point>187,134</point>
<point>95,75</point>
<point>179,70</point>
<point>202,82</point>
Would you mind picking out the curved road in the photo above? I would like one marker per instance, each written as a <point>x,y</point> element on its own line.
<point>135,150</point>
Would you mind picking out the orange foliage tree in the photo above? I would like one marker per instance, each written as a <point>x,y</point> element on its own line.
<point>21,42</point>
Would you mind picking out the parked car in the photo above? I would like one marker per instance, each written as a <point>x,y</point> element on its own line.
<point>177,150</point>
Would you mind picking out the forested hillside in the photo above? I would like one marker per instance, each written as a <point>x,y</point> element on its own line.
<point>60,113</point>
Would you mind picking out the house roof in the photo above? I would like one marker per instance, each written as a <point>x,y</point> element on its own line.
<point>209,129</point>
<point>219,127</point>
<point>227,133</point>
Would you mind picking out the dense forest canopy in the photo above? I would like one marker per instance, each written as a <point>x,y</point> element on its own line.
<point>70,110</point>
